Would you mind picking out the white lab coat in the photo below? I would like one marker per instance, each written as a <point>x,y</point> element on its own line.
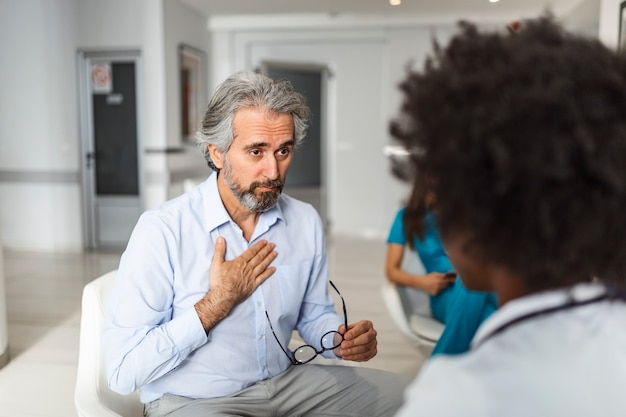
<point>570,362</point>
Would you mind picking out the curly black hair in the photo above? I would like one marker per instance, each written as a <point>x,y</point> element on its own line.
<point>524,136</point>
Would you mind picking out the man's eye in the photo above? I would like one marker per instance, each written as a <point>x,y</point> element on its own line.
<point>284,151</point>
<point>255,152</point>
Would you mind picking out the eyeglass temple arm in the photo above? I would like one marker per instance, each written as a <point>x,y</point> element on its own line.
<point>343,303</point>
<point>293,361</point>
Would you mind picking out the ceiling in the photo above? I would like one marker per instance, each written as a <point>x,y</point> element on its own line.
<point>453,9</point>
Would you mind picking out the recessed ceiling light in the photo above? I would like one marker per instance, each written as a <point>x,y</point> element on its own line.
<point>395,2</point>
<point>493,1</point>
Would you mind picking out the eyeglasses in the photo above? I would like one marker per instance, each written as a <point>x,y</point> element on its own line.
<point>329,341</point>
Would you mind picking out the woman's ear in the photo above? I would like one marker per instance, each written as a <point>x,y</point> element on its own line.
<point>216,156</point>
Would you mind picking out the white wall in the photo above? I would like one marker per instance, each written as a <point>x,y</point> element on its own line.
<point>39,146</point>
<point>182,26</point>
<point>40,156</point>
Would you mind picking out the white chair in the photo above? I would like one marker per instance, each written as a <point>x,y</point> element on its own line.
<point>409,308</point>
<point>92,396</point>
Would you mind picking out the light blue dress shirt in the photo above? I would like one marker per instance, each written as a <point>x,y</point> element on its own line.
<point>153,338</point>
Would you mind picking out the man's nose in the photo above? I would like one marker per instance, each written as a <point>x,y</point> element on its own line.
<point>271,167</point>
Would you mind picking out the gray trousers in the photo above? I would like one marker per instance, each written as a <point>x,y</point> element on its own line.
<point>304,390</point>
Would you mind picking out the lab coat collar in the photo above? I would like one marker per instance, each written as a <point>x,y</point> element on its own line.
<point>527,305</point>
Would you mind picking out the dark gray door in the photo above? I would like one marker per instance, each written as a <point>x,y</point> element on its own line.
<point>111,147</point>
<point>115,134</point>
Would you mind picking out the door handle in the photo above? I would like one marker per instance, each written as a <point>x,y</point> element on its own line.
<point>91,158</point>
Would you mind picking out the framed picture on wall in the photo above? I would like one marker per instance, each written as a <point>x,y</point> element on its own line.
<point>192,89</point>
<point>622,26</point>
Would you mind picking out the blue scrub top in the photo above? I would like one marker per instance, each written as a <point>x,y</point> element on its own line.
<point>430,250</point>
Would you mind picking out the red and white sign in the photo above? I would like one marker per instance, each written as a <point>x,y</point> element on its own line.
<point>101,78</point>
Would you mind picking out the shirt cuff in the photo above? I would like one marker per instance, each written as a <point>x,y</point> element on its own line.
<point>187,332</point>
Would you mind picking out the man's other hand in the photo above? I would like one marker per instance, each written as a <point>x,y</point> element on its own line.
<point>359,343</point>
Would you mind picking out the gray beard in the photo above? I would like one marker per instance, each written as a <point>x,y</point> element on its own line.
<point>247,198</point>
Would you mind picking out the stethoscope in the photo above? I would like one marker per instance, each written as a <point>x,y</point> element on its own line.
<point>610,293</point>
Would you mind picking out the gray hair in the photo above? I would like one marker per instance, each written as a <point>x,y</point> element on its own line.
<point>248,89</point>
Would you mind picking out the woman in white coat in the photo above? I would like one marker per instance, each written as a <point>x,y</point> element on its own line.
<point>524,137</point>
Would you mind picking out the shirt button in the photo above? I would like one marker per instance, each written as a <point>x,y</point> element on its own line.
<point>259,304</point>
<point>260,337</point>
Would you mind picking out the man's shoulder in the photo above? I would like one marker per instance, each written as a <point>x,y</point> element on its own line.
<point>291,204</point>
<point>180,207</point>
<point>302,213</point>
<point>290,201</point>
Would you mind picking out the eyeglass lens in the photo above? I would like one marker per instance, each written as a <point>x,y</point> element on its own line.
<point>307,353</point>
<point>329,341</point>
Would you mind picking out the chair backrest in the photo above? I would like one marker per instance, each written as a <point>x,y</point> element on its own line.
<point>409,308</point>
<point>420,319</point>
<point>92,396</point>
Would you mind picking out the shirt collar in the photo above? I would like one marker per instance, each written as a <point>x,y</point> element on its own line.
<point>535,302</point>
<point>215,213</point>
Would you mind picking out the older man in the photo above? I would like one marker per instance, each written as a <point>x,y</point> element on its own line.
<point>213,283</point>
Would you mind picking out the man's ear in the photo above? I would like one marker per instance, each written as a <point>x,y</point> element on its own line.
<point>216,156</point>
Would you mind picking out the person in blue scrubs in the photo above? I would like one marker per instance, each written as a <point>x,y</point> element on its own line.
<point>460,310</point>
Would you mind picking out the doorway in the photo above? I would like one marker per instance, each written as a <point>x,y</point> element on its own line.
<point>306,180</point>
<point>111,158</point>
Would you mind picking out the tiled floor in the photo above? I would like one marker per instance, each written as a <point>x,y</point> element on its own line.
<point>43,299</point>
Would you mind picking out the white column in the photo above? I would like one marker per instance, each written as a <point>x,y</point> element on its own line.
<point>609,22</point>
